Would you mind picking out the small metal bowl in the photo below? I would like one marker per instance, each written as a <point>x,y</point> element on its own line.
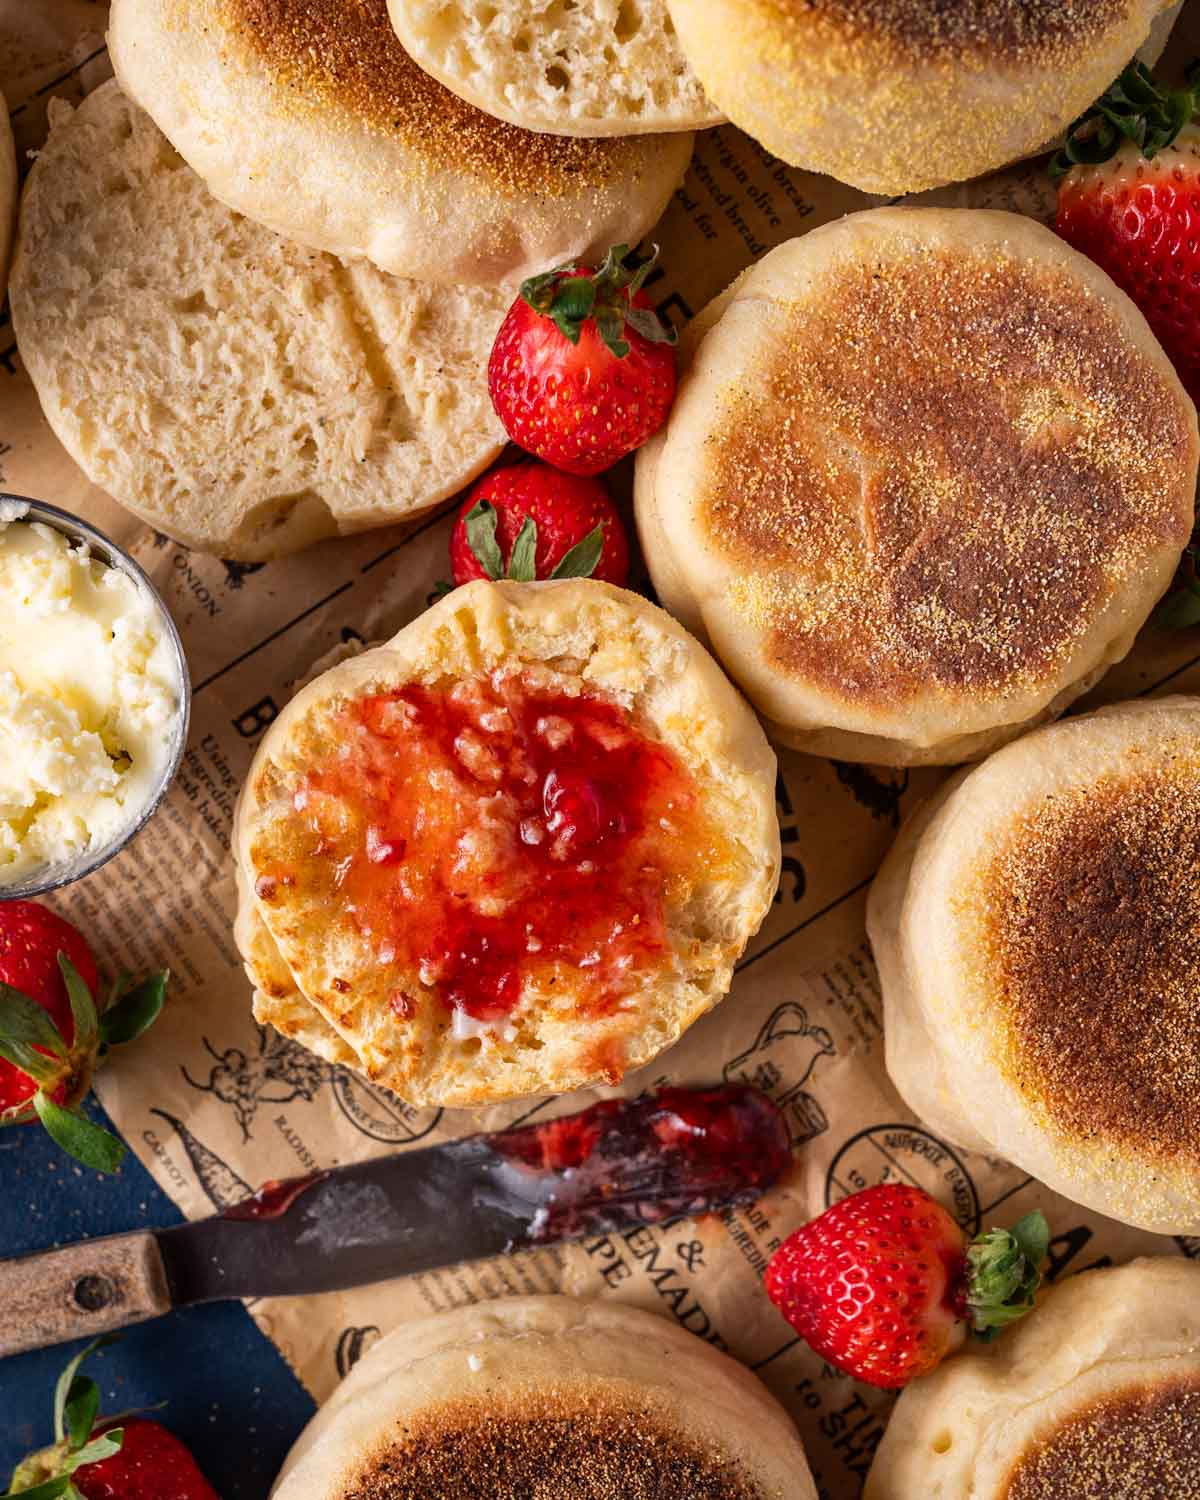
<point>54,877</point>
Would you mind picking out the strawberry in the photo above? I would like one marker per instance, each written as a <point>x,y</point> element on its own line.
<point>1129,199</point>
<point>531,521</point>
<point>582,371</point>
<point>51,1035</point>
<point>123,1458</point>
<point>884,1285</point>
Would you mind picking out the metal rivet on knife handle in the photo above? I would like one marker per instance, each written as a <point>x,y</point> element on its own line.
<point>80,1291</point>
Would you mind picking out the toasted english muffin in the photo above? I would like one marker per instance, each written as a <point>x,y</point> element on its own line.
<point>8,194</point>
<point>613,67</point>
<point>240,393</point>
<point>895,96</point>
<point>547,1396</point>
<point>926,476</point>
<point>1037,930</point>
<point>1094,1396</point>
<point>310,117</point>
<point>516,850</point>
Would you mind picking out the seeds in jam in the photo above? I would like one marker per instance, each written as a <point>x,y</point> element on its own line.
<point>495,833</point>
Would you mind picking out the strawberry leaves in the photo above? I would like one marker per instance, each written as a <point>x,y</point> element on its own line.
<point>30,1041</point>
<point>570,298</point>
<point>481,523</point>
<point>1004,1271</point>
<point>131,1012</point>
<point>581,560</point>
<point>78,1136</point>
<point>1136,108</point>
<point>47,1475</point>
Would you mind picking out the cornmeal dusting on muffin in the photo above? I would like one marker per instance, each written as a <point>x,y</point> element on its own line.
<point>343,56</point>
<point>1137,1445</point>
<point>1093,931</point>
<point>998,30</point>
<point>950,469</point>
<point>575,1445</point>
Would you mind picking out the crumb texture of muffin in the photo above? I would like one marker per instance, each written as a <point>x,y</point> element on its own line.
<point>241,393</point>
<point>613,67</point>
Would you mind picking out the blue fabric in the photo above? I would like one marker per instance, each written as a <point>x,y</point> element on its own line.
<point>229,1395</point>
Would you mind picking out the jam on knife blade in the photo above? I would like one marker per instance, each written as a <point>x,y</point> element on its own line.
<point>619,1164</point>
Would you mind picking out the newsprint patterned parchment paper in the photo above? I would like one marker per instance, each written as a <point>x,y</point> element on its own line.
<point>214,1105</point>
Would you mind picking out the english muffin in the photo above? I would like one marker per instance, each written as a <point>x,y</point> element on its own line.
<point>926,476</point>
<point>516,850</point>
<point>8,194</point>
<point>310,117</point>
<point>547,1396</point>
<point>1094,1396</point>
<point>1037,930</point>
<point>242,394</point>
<point>613,67</point>
<point>894,96</point>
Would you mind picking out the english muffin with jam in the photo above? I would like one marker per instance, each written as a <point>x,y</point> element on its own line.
<point>1037,930</point>
<point>310,117</point>
<point>1094,1396</point>
<point>516,850</point>
<point>926,476</point>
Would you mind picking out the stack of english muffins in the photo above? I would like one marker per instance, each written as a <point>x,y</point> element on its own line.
<point>926,476</point>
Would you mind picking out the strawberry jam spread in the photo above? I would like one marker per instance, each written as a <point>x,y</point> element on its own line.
<point>498,831</point>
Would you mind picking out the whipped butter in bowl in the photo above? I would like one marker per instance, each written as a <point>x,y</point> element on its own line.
<point>94,698</point>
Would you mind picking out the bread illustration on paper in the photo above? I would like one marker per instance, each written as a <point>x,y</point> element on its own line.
<point>1037,931</point>
<point>611,67</point>
<point>894,96</point>
<point>1094,1396</point>
<point>516,850</point>
<point>926,476</point>
<point>547,1396</point>
<point>310,117</point>
<point>238,392</point>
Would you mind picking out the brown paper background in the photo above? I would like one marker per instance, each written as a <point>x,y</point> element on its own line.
<point>213,1105</point>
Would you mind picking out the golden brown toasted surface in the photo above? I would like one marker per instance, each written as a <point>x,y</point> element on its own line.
<point>1094,929</point>
<point>564,1445</point>
<point>1143,1445</point>
<point>342,55</point>
<point>1001,30</point>
<point>951,465</point>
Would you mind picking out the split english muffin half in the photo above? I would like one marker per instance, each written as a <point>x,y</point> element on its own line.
<point>547,1395</point>
<point>924,480</point>
<point>1094,1396</point>
<point>516,850</point>
<point>1037,931</point>
<point>310,117</point>
<point>242,394</point>
<point>612,67</point>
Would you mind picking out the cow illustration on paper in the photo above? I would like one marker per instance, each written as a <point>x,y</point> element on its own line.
<point>780,1062</point>
<point>278,1072</point>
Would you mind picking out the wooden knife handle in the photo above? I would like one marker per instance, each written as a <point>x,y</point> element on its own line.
<point>80,1291</point>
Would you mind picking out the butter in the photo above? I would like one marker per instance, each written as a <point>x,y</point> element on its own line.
<point>89,699</point>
